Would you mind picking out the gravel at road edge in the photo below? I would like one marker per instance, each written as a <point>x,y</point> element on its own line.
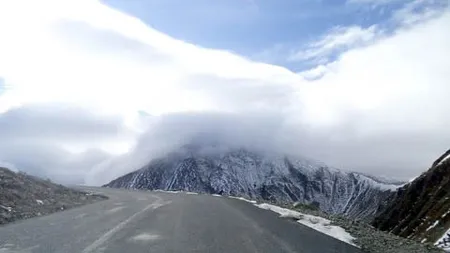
<point>23,196</point>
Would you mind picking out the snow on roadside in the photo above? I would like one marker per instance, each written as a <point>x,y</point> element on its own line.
<point>167,191</point>
<point>315,222</point>
<point>171,191</point>
<point>444,242</point>
<point>216,195</point>
<point>243,199</point>
<point>190,193</point>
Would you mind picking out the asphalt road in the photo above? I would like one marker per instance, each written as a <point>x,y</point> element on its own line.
<point>138,221</point>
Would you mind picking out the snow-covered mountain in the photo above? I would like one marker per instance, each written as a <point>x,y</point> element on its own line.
<point>421,209</point>
<point>258,175</point>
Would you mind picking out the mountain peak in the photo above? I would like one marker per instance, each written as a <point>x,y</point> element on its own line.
<point>259,175</point>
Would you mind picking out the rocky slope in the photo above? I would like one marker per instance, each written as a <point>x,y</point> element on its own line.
<point>421,209</point>
<point>280,179</point>
<point>24,196</point>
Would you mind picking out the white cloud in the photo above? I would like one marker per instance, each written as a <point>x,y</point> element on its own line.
<point>86,55</point>
<point>417,11</point>
<point>403,68</point>
<point>343,38</point>
<point>50,161</point>
<point>388,100</point>
<point>339,38</point>
<point>377,108</point>
<point>71,128</point>
<point>59,141</point>
<point>78,51</point>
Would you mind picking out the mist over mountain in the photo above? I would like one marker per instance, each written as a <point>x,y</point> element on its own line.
<point>269,132</point>
<point>262,175</point>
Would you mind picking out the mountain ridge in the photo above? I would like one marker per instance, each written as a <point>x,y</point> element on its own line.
<point>420,210</point>
<point>262,176</point>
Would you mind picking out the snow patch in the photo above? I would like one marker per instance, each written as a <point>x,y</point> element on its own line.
<point>191,193</point>
<point>315,222</point>
<point>40,202</point>
<point>432,226</point>
<point>172,191</point>
<point>243,199</point>
<point>444,242</point>
<point>167,191</point>
<point>412,179</point>
<point>7,208</point>
<point>445,214</point>
<point>379,185</point>
<point>145,237</point>
<point>443,160</point>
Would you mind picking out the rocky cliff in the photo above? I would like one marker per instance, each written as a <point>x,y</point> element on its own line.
<point>421,209</point>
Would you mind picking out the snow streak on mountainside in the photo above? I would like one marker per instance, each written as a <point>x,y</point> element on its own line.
<point>444,241</point>
<point>239,172</point>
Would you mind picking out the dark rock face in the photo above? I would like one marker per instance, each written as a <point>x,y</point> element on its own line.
<point>252,175</point>
<point>420,209</point>
<point>23,196</point>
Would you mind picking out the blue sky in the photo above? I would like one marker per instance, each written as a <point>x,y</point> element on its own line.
<point>263,30</point>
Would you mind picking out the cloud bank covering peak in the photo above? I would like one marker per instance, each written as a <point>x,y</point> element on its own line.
<point>88,92</point>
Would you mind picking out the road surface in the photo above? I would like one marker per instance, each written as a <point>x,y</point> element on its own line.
<point>139,221</point>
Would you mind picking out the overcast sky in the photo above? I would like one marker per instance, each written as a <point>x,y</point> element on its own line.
<point>90,90</point>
